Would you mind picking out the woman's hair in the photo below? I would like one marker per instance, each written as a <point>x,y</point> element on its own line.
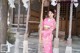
<point>52,10</point>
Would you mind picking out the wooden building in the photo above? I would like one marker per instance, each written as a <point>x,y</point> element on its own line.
<point>35,16</point>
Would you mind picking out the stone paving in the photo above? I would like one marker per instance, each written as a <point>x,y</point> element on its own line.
<point>62,45</point>
<point>33,45</point>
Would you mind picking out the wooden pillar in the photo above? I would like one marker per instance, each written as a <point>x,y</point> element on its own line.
<point>14,15</point>
<point>25,42</point>
<point>3,21</point>
<point>66,22</point>
<point>23,15</point>
<point>19,5</point>
<point>76,23</point>
<point>16,50</point>
<point>40,29</point>
<point>11,16</point>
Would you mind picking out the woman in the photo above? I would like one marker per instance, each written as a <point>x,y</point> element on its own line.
<point>48,25</point>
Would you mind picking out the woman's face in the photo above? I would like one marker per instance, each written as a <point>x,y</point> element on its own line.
<point>50,14</point>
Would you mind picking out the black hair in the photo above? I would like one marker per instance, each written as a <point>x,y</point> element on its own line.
<point>52,10</point>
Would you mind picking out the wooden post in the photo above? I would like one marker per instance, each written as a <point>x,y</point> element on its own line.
<point>76,23</point>
<point>16,50</point>
<point>25,42</point>
<point>56,39</point>
<point>23,14</point>
<point>69,40</point>
<point>57,27</point>
<point>66,22</point>
<point>10,16</point>
<point>57,23</point>
<point>40,29</point>
<point>70,23</point>
<point>3,21</point>
<point>19,4</point>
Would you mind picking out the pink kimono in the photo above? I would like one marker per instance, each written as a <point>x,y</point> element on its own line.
<point>47,34</point>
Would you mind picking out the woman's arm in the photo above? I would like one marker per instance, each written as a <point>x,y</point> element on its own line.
<point>42,24</point>
<point>53,26</point>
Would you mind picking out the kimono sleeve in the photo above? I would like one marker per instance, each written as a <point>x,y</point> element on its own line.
<point>42,24</point>
<point>54,25</point>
